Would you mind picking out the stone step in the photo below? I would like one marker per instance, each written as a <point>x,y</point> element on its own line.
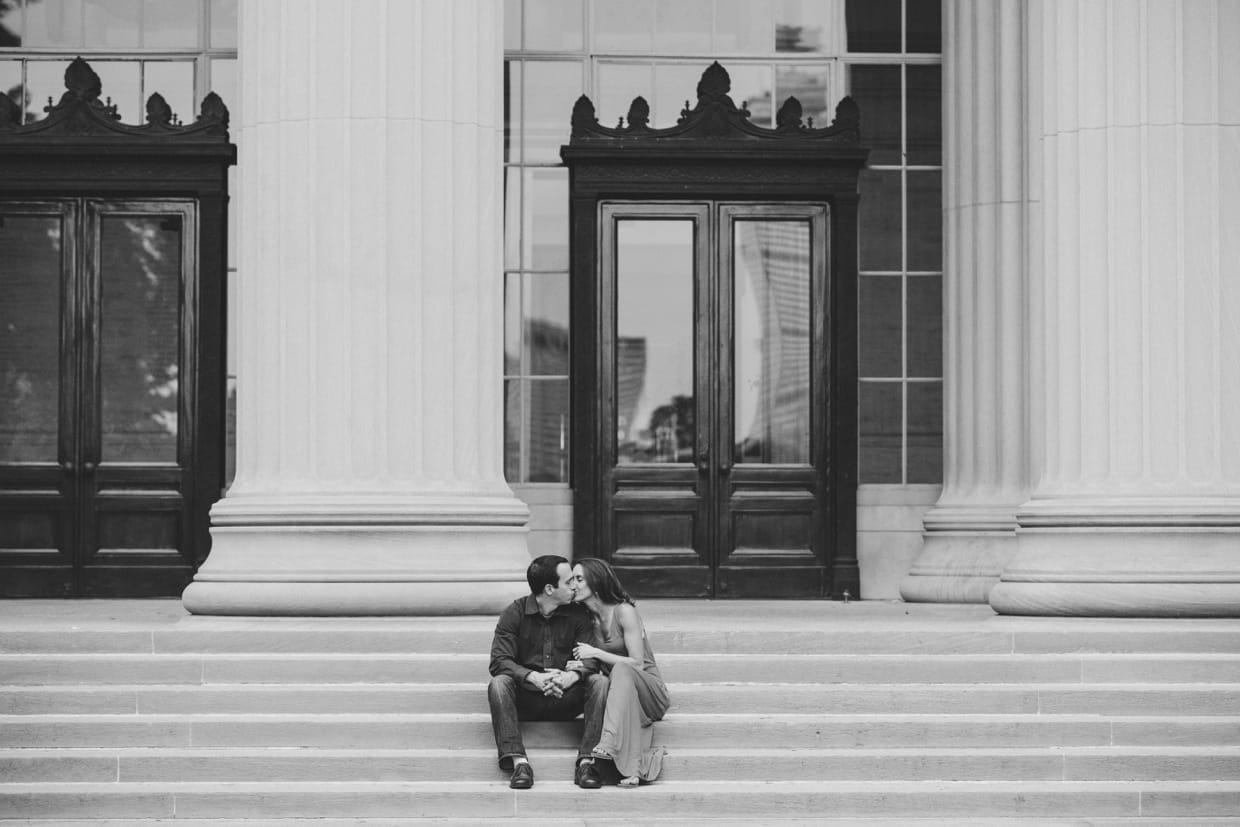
<point>696,799</point>
<point>473,730</point>
<point>154,765</point>
<point>799,627</point>
<point>757,698</point>
<point>671,821</point>
<point>99,669</point>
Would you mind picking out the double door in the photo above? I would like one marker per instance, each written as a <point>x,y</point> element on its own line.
<point>100,427</point>
<point>712,398</point>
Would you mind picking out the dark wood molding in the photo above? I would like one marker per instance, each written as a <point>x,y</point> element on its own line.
<point>716,154</point>
<point>82,163</point>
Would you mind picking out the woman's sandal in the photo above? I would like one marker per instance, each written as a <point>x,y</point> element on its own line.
<point>629,781</point>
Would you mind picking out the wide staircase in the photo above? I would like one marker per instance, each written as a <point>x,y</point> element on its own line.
<point>811,711</point>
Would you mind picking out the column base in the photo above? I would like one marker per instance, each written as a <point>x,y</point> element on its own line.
<point>446,557</point>
<point>1140,560</point>
<point>963,553</point>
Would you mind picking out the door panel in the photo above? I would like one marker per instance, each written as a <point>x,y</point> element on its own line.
<point>772,380</point>
<point>37,441</point>
<point>94,367</point>
<point>659,520</point>
<point>711,330</point>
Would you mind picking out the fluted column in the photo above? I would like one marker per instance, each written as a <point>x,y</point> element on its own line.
<point>970,534</point>
<point>369,472</point>
<point>1135,319</point>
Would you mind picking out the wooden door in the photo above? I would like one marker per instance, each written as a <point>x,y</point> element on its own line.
<point>712,397</point>
<point>98,376</point>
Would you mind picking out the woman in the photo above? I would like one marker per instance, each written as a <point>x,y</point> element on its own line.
<point>637,696</point>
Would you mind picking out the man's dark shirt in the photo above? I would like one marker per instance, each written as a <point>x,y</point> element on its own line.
<point>527,642</point>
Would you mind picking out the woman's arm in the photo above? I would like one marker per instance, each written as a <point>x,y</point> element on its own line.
<point>631,628</point>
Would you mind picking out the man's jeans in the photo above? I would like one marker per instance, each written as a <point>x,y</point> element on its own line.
<point>512,702</point>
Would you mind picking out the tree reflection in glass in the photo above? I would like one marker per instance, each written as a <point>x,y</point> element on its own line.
<point>140,264</point>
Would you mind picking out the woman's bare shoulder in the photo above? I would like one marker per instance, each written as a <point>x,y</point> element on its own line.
<point>627,614</point>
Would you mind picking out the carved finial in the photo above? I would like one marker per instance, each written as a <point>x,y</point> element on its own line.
<point>157,110</point>
<point>715,82</point>
<point>213,109</point>
<point>639,113</point>
<point>847,113</point>
<point>789,115</point>
<point>82,81</point>
<point>583,114</point>
<point>10,112</point>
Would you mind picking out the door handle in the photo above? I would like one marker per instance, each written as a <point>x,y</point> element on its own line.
<point>725,468</point>
<point>703,458</point>
<point>88,466</point>
<point>66,466</point>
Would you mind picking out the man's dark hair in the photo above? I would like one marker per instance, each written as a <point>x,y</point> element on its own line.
<point>542,572</point>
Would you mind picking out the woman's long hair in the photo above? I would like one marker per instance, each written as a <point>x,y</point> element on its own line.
<point>602,581</point>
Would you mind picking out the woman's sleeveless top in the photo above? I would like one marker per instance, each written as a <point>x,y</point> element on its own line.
<point>612,640</point>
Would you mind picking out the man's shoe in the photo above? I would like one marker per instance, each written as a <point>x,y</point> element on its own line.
<point>522,776</point>
<point>587,776</point>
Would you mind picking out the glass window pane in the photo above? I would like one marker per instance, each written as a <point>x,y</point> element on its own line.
<point>544,322</point>
<point>224,24</point>
<point>623,25</point>
<point>772,347</point>
<point>512,111</point>
<point>876,89</point>
<point>11,83</point>
<point>553,25</point>
<point>512,324</point>
<point>873,25</point>
<point>512,218</point>
<point>879,433</point>
<point>223,82</point>
<point>54,24</point>
<point>925,432</point>
<point>29,338</point>
<point>514,412</point>
<point>880,333</point>
<point>618,84</point>
<point>112,23</point>
<point>925,220</point>
<point>170,24</point>
<point>925,326</point>
<point>752,85</point>
<point>10,24</point>
<point>924,23</point>
<point>122,83</point>
<point>809,84</point>
<point>743,26</point>
<point>175,81</point>
<point>551,89</point>
<point>139,340</point>
<point>548,426</point>
<point>545,230</point>
<point>675,87</point>
<point>654,341</point>
<point>45,80</point>
<point>925,115</point>
<point>802,25</point>
<point>512,25</point>
<point>879,224</point>
<point>230,433</point>
<point>682,26</point>
<point>536,416</point>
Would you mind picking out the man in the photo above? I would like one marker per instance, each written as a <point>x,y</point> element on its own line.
<point>531,677</point>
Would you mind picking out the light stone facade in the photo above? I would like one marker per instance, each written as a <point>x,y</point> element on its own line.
<point>1091,309</point>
